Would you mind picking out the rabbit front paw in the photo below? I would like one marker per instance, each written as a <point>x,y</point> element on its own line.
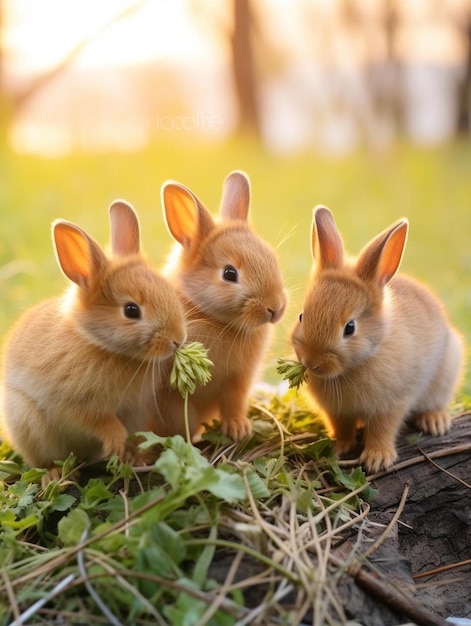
<point>344,446</point>
<point>376,459</point>
<point>237,429</point>
<point>114,443</point>
<point>434,422</point>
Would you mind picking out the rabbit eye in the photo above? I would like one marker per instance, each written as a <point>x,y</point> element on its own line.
<point>132,311</point>
<point>349,329</point>
<point>300,317</point>
<point>230,274</point>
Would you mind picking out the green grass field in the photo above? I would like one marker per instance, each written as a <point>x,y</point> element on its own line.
<point>365,191</point>
<point>139,545</point>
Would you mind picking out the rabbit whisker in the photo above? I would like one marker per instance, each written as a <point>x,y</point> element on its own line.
<point>156,365</point>
<point>287,236</point>
<point>133,377</point>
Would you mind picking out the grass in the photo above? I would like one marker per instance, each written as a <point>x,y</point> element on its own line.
<point>142,545</point>
<point>366,192</point>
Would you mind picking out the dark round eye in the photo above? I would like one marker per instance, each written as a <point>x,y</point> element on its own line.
<point>349,328</point>
<point>300,317</point>
<point>132,311</point>
<point>230,274</point>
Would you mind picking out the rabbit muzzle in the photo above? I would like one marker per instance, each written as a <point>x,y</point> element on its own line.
<point>274,315</point>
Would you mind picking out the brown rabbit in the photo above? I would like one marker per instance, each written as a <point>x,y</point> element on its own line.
<point>232,291</point>
<point>79,369</point>
<point>378,347</point>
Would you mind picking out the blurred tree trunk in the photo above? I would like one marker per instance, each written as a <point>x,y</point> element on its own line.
<point>243,68</point>
<point>390,28</point>
<point>464,114</point>
<point>4,103</point>
<point>12,102</point>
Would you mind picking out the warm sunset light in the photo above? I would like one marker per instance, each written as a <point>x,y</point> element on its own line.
<point>235,332</point>
<point>147,67</point>
<point>150,31</point>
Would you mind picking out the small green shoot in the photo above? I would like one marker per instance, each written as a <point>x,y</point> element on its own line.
<point>293,371</point>
<point>191,367</point>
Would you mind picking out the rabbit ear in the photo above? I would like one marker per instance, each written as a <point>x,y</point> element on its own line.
<point>235,196</point>
<point>381,258</point>
<point>326,245</point>
<point>78,255</point>
<point>187,219</point>
<point>125,233</point>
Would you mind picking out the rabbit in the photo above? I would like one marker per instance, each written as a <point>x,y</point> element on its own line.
<point>232,292</point>
<point>377,346</point>
<point>79,369</point>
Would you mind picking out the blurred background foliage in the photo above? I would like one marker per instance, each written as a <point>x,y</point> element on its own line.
<point>362,105</point>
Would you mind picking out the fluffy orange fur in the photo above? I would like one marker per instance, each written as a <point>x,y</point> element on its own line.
<point>403,360</point>
<point>78,374</point>
<point>233,319</point>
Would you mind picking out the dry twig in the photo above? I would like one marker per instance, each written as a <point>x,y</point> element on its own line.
<point>443,568</point>
<point>387,594</point>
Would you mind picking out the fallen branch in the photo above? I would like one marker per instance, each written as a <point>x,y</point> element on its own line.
<point>391,524</point>
<point>443,568</point>
<point>436,454</point>
<point>442,469</point>
<point>388,595</point>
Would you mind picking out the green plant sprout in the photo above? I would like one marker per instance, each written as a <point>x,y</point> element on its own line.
<point>293,371</point>
<point>191,367</point>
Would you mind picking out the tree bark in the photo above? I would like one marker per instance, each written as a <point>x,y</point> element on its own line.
<point>243,68</point>
<point>464,122</point>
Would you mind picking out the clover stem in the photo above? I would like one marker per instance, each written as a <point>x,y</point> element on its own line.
<point>187,418</point>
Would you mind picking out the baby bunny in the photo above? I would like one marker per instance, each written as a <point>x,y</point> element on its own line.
<point>378,347</point>
<point>79,369</point>
<point>232,291</point>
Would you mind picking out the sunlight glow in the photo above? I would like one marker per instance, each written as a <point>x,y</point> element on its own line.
<point>157,30</point>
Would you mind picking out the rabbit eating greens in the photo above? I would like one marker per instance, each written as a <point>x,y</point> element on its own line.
<point>232,292</point>
<point>377,346</point>
<point>79,370</point>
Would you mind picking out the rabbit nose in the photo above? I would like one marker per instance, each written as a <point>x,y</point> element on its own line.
<point>177,343</point>
<point>276,314</point>
<point>178,340</point>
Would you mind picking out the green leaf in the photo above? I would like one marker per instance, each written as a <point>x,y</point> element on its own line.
<point>33,475</point>
<point>257,486</point>
<point>151,439</point>
<point>304,501</point>
<point>161,550</point>
<point>24,492</point>
<point>95,492</point>
<point>293,371</point>
<point>9,468</point>
<point>8,519</point>
<point>187,610</point>
<point>201,569</point>
<point>355,480</point>
<point>228,487</point>
<point>170,466</point>
<point>62,502</point>
<point>72,526</point>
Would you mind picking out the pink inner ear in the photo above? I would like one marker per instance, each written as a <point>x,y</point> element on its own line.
<point>327,245</point>
<point>73,252</point>
<point>391,256</point>
<point>187,218</point>
<point>380,259</point>
<point>125,234</point>
<point>180,212</point>
<point>235,201</point>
